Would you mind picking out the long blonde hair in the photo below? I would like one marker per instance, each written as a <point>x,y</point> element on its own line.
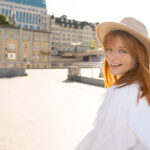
<point>141,73</point>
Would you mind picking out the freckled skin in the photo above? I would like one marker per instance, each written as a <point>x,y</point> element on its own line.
<point>118,57</point>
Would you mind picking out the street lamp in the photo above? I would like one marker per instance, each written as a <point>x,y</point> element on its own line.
<point>76,44</point>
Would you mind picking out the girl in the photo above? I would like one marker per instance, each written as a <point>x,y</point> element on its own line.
<point>123,120</point>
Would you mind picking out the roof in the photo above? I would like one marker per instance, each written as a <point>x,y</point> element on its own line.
<point>72,23</point>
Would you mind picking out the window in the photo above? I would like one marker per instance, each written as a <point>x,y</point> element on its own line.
<point>2,11</point>
<point>25,46</point>
<point>45,57</point>
<point>37,56</point>
<point>25,55</point>
<point>24,17</point>
<point>9,12</point>
<point>15,36</point>
<point>7,35</point>
<point>45,48</point>
<point>38,47</point>
<point>44,24</point>
<point>80,37</point>
<point>27,17</point>
<point>25,37</point>
<point>17,16</point>
<point>33,57</point>
<point>19,25</point>
<point>6,12</point>
<point>31,27</point>
<point>12,47</point>
<point>36,19</point>
<point>20,16</point>
<point>30,18</point>
<point>25,59</point>
<point>38,28</point>
<point>53,48</point>
<point>33,19</point>
<point>25,26</point>
<point>36,37</point>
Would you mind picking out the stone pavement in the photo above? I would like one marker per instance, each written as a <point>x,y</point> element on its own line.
<point>43,111</point>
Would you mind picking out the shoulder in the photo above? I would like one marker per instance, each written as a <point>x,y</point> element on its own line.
<point>127,91</point>
<point>121,97</point>
<point>133,86</point>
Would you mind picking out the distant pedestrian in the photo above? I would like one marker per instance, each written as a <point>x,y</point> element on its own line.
<point>123,120</point>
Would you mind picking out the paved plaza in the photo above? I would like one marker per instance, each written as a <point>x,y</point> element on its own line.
<point>44,111</point>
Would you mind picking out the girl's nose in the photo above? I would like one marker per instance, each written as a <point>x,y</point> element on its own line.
<point>113,55</point>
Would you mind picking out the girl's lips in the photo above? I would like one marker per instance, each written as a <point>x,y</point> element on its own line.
<point>115,66</point>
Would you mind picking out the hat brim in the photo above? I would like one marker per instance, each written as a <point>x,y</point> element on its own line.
<point>104,28</point>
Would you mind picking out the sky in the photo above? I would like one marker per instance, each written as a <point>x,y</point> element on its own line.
<point>101,10</point>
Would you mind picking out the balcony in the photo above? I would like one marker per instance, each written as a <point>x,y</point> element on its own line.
<point>44,52</point>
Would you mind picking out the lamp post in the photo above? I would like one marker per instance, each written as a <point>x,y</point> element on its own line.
<point>76,44</point>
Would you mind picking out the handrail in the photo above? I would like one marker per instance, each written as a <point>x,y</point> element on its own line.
<point>89,64</point>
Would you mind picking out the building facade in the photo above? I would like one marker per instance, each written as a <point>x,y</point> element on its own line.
<point>37,3</point>
<point>26,13</point>
<point>65,32</point>
<point>24,46</point>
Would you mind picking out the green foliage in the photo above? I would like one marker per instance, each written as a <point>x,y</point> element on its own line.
<point>99,45</point>
<point>64,16</point>
<point>93,44</point>
<point>4,20</point>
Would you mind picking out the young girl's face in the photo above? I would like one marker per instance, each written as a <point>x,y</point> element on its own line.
<point>118,57</point>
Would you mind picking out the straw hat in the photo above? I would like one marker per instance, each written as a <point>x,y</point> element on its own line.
<point>128,24</point>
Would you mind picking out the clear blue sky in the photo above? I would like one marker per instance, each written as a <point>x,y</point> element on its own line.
<point>101,10</point>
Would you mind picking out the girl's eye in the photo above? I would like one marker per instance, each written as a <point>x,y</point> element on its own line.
<point>122,51</point>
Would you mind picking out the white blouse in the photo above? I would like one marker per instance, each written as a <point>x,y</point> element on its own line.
<point>120,123</point>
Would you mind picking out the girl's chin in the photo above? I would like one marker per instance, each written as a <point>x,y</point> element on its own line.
<point>115,74</point>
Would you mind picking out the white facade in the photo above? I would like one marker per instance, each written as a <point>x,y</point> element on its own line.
<point>25,16</point>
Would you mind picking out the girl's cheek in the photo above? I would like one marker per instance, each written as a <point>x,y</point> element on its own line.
<point>106,54</point>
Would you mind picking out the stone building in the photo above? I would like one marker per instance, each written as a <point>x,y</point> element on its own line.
<point>28,47</point>
<point>64,32</point>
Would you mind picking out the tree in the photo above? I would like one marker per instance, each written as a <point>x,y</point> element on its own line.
<point>4,20</point>
<point>64,16</point>
<point>93,44</point>
<point>99,45</point>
